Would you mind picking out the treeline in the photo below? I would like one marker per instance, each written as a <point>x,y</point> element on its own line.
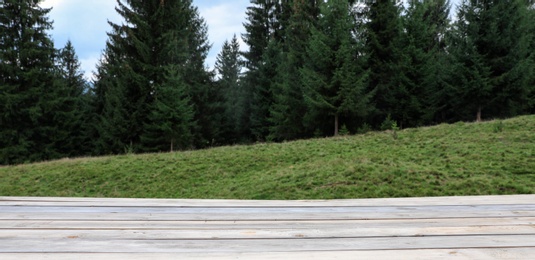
<point>312,68</point>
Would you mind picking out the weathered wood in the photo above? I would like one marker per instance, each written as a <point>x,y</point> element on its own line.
<point>269,232</point>
<point>427,254</point>
<point>291,216</point>
<point>77,245</point>
<point>481,227</point>
<point>439,201</point>
<point>237,225</point>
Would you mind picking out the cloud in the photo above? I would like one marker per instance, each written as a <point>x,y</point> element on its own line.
<point>88,64</point>
<point>224,19</point>
<point>85,23</point>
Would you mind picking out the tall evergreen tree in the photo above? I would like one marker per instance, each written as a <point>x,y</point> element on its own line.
<point>203,91</point>
<point>229,66</point>
<point>159,36</point>
<point>265,36</point>
<point>288,108</point>
<point>170,121</point>
<point>28,83</point>
<point>74,124</point>
<point>385,57</point>
<point>531,17</point>
<point>261,97</point>
<point>259,28</point>
<point>426,68</point>
<point>333,76</point>
<point>493,49</point>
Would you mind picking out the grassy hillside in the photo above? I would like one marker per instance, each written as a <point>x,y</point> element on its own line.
<point>496,157</point>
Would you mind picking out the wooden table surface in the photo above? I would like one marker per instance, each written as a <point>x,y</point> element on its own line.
<point>480,227</point>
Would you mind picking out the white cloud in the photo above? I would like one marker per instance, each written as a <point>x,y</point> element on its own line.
<point>88,64</point>
<point>50,3</point>
<point>85,24</point>
<point>224,20</point>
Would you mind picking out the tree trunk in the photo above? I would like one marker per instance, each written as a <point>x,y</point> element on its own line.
<point>335,125</point>
<point>478,117</point>
<point>172,143</point>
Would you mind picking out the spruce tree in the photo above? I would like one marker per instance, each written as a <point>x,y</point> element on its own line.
<point>171,118</point>
<point>383,33</point>
<point>265,36</point>
<point>160,36</point>
<point>28,83</point>
<point>229,66</point>
<point>427,69</point>
<point>333,76</point>
<point>262,94</point>
<point>289,108</point>
<point>258,30</point>
<point>73,129</point>
<point>493,52</point>
<point>202,90</point>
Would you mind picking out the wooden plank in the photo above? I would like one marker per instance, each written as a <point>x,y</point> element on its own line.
<point>267,210</point>
<point>471,200</point>
<point>75,245</point>
<point>428,254</point>
<point>471,227</point>
<point>263,216</point>
<point>234,225</point>
<point>270,232</point>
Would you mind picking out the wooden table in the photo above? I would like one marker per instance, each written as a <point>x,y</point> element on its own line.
<point>482,227</point>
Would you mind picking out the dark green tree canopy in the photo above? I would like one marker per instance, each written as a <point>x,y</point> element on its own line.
<point>27,83</point>
<point>156,37</point>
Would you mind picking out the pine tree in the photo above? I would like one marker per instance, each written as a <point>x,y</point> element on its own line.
<point>160,36</point>
<point>288,108</point>
<point>333,80</point>
<point>493,51</point>
<point>261,98</point>
<point>28,83</point>
<point>171,119</point>
<point>267,22</point>
<point>73,135</point>
<point>202,90</point>
<point>531,17</point>
<point>229,66</point>
<point>385,59</point>
<point>427,68</point>
<point>259,28</point>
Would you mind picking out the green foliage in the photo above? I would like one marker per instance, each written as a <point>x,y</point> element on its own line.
<point>152,76</point>
<point>288,109</point>
<point>229,66</point>
<point>74,115</point>
<point>260,26</point>
<point>498,126</point>
<point>383,35</point>
<point>344,131</point>
<point>388,123</point>
<point>261,92</point>
<point>364,128</point>
<point>35,102</point>
<point>310,66</point>
<point>333,78</point>
<point>445,160</point>
<point>171,120</point>
<point>425,65</point>
<point>492,46</point>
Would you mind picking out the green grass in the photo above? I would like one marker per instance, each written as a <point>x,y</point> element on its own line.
<point>496,157</point>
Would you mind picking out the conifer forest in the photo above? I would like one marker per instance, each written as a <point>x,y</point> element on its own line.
<point>311,68</point>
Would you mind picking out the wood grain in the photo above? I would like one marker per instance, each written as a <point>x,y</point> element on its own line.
<point>480,227</point>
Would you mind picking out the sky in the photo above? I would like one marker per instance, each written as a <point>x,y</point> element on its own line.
<point>85,24</point>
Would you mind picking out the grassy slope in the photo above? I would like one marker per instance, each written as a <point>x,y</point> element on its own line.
<point>495,157</point>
